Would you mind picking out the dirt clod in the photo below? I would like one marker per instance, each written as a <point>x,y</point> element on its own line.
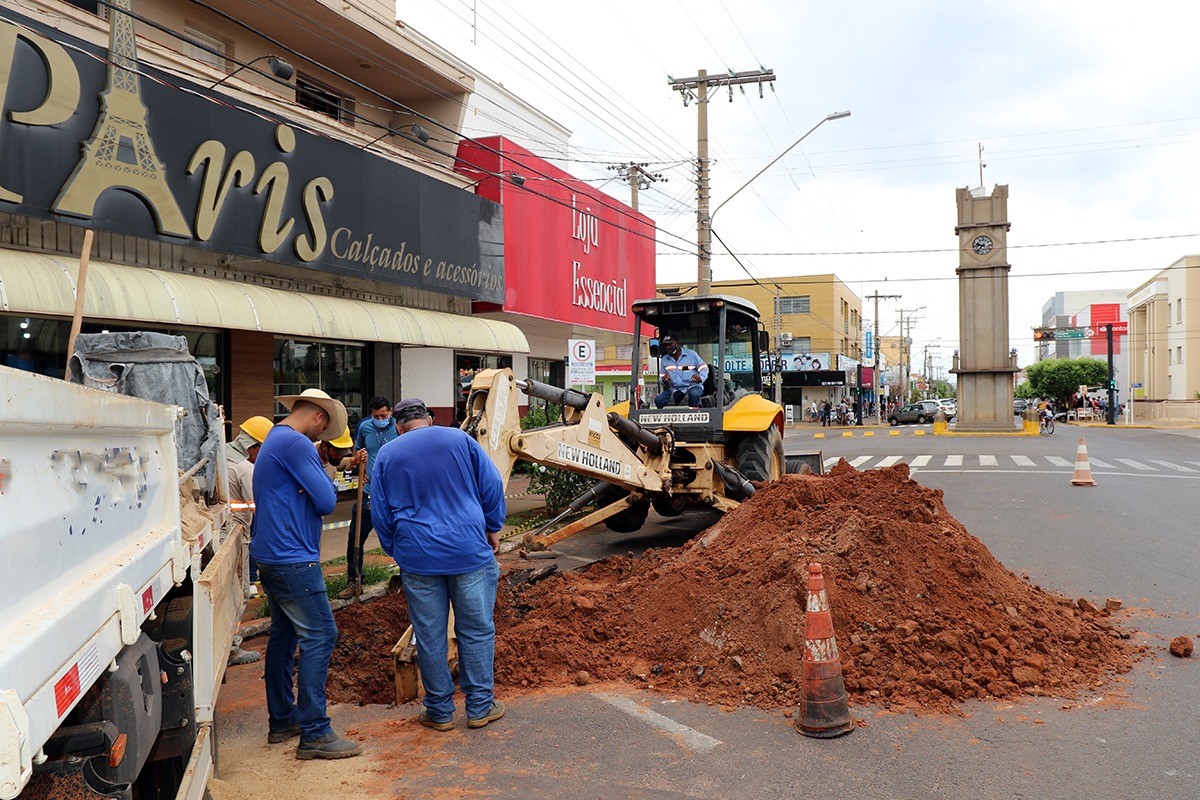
<point>1181,647</point>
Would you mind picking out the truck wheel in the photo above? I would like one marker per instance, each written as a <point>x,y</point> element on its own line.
<point>760,455</point>
<point>629,520</point>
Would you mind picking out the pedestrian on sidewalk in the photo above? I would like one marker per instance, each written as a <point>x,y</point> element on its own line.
<point>373,433</point>
<point>293,493</point>
<point>438,508</point>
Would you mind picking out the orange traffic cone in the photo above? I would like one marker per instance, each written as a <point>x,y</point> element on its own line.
<point>1083,470</point>
<point>824,712</point>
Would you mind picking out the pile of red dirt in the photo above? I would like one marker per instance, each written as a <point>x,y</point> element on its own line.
<point>925,616</point>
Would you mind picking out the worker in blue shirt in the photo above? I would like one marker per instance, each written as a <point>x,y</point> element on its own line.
<point>438,506</point>
<point>292,493</point>
<point>683,374</point>
<point>373,433</point>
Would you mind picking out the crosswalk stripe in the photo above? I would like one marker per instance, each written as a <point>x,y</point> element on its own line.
<point>1195,463</point>
<point>1175,467</point>
<point>920,461</point>
<point>889,461</point>
<point>1059,461</point>
<point>858,462</point>
<point>988,461</point>
<point>1023,461</point>
<point>954,461</point>
<point>1098,464</point>
<point>1136,464</point>
<point>829,462</point>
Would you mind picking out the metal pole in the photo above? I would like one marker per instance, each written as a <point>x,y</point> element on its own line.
<point>703,221</point>
<point>634,179</point>
<point>1111,416</point>
<point>858,416</point>
<point>778,350</point>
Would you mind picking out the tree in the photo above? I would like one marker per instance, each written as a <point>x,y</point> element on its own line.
<point>940,388</point>
<point>1059,378</point>
<point>1025,391</point>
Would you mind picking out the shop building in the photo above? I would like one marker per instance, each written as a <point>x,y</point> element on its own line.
<point>1164,341</point>
<point>281,202</point>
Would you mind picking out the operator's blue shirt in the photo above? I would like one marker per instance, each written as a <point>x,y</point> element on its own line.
<point>291,494</point>
<point>371,436</point>
<point>436,496</point>
<point>679,371</point>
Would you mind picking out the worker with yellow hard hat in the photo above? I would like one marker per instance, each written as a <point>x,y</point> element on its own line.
<point>335,454</point>
<point>240,455</point>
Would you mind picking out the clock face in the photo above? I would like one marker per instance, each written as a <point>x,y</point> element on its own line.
<point>982,245</point>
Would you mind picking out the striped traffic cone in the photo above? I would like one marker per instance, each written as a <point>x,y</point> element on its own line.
<point>824,711</point>
<point>1083,470</point>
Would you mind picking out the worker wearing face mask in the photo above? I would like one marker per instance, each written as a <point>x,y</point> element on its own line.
<point>373,433</point>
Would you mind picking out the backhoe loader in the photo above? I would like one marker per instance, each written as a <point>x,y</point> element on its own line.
<point>667,458</point>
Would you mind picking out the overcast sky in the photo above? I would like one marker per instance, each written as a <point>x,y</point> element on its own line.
<point>1088,111</point>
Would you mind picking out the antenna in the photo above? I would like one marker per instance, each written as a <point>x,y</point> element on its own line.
<point>982,164</point>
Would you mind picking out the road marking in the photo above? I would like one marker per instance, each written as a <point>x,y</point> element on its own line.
<point>1129,462</point>
<point>829,462</point>
<point>688,737</point>
<point>1059,461</point>
<point>1169,465</point>
<point>858,462</point>
<point>953,461</point>
<point>889,461</point>
<point>988,461</point>
<point>1098,464</point>
<point>1023,461</point>
<point>1155,476</point>
<point>1195,463</point>
<point>920,461</point>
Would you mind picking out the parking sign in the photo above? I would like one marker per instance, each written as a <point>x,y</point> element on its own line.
<point>581,361</point>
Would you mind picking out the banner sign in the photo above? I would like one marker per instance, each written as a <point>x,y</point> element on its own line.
<point>581,363</point>
<point>94,138</point>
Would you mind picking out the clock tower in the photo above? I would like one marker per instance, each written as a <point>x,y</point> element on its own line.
<point>984,366</point>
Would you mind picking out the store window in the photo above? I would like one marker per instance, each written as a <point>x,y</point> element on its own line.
<point>551,371</point>
<point>340,370</point>
<point>465,367</point>
<point>39,344</point>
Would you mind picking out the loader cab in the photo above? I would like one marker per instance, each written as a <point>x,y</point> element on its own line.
<point>724,332</point>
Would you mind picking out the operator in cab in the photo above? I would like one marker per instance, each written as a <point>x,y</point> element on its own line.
<point>683,374</point>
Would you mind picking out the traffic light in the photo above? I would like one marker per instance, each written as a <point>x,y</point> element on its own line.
<point>1112,384</point>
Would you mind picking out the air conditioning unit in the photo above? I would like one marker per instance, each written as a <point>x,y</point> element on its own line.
<point>785,338</point>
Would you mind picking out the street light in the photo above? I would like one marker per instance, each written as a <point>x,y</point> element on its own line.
<point>704,282</point>
<point>772,162</point>
<point>279,67</point>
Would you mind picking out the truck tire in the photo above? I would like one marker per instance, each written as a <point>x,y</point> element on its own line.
<point>669,505</point>
<point>760,455</point>
<point>631,519</point>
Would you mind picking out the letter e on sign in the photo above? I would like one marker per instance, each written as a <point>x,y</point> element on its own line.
<point>581,361</point>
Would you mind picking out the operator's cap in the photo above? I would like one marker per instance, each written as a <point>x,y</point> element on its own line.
<point>257,427</point>
<point>409,409</point>
<point>343,442</point>
<point>667,338</point>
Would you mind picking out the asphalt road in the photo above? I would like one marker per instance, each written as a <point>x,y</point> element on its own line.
<point>1132,537</point>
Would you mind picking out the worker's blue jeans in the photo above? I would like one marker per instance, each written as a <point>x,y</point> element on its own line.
<point>300,616</point>
<point>473,595</point>
<point>674,396</point>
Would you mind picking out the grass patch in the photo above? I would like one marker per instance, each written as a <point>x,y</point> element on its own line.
<point>528,520</point>
<point>341,560</point>
<point>371,574</point>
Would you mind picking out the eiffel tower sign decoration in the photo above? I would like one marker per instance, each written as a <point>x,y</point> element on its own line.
<point>120,153</point>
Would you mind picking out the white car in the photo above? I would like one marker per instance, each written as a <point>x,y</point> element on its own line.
<point>949,405</point>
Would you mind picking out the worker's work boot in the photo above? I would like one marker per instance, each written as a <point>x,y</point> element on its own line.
<point>283,734</point>
<point>433,724</point>
<point>328,746</point>
<point>494,713</point>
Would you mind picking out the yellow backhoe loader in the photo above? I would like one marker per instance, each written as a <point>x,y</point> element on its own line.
<point>668,458</point>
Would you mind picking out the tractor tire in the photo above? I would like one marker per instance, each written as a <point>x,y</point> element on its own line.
<point>760,456</point>
<point>670,505</point>
<point>631,519</point>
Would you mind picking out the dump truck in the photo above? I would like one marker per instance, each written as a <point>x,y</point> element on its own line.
<point>641,456</point>
<point>121,588</point>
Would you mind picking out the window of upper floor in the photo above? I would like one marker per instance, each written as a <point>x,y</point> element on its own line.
<point>206,53</point>
<point>793,305</point>
<point>324,99</point>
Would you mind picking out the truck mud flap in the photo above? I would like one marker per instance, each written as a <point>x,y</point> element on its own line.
<point>803,463</point>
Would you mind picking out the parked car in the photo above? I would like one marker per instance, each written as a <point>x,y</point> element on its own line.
<point>949,405</point>
<point>919,413</point>
<point>1019,406</point>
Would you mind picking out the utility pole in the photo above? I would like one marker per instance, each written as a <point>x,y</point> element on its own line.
<point>878,405</point>
<point>637,178</point>
<point>697,88</point>
<point>905,355</point>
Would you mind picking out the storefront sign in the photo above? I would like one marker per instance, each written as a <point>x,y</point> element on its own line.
<point>815,378</point>
<point>793,362</point>
<point>125,148</point>
<point>578,255</point>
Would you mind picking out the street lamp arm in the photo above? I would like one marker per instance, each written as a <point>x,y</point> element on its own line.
<point>772,162</point>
